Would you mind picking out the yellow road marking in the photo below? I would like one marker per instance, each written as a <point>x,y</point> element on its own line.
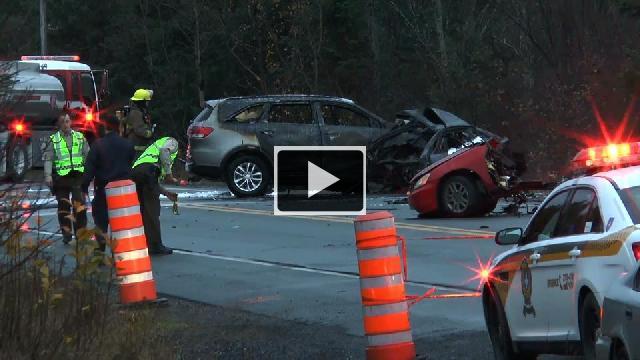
<point>345,220</point>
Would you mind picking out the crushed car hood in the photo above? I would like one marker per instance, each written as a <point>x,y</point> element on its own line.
<point>442,161</point>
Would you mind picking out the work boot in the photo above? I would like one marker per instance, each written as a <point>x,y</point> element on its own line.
<point>66,239</point>
<point>161,250</point>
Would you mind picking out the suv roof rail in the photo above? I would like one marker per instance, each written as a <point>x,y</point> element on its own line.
<point>276,96</point>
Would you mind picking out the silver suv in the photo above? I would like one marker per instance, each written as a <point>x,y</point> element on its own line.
<point>233,138</point>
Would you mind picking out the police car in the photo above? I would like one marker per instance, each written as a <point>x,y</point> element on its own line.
<point>544,295</point>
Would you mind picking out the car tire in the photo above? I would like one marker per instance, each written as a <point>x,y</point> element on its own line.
<point>459,197</point>
<point>17,162</point>
<point>499,332</point>
<point>248,165</point>
<point>589,325</point>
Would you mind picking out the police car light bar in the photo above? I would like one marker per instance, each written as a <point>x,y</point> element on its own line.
<point>614,155</point>
<point>51,57</point>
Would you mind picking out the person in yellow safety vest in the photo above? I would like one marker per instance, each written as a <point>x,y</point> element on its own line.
<point>153,166</point>
<point>66,153</point>
<point>137,124</point>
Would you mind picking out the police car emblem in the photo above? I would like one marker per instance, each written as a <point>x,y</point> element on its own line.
<point>527,288</point>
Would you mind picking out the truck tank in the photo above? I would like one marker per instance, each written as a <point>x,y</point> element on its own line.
<point>34,100</point>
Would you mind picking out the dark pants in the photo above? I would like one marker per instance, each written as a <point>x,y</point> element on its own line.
<point>146,178</point>
<point>69,195</point>
<point>100,215</point>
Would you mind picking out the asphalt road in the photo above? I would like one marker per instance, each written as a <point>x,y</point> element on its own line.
<point>235,254</point>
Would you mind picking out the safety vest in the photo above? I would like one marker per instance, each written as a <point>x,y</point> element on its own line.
<point>152,155</point>
<point>66,162</point>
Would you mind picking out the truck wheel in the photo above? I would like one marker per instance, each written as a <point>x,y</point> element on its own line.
<point>248,175</point>
<point>17,162</point>
<point>459,197</point>
<point>589,325</point>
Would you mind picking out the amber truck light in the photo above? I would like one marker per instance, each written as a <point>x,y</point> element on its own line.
<point>51,57</point>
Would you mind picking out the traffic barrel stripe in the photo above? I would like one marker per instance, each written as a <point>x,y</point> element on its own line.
<point>379,253</point>
<point>127,211</point>
<point>133,262</point>
<point>121,197</point>
<point>364,226</point>
<point>125,218</point>
<point>377,310</point>
<point>128,240</point>
<point>135,278</point>
<point>389,339</point>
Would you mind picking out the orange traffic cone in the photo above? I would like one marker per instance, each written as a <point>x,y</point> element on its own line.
<point>129,246</point>
<point>385,309</point>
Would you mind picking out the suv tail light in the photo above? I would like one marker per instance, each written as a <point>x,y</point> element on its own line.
<point>199,132</point>
<point>636,250</point>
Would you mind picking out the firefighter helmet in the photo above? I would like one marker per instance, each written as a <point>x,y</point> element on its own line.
<point>142,95</point>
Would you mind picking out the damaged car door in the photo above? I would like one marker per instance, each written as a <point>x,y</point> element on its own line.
<point>347,126</point>
<point>289,124</point>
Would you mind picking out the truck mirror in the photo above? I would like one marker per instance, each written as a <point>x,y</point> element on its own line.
<point>103,90</point>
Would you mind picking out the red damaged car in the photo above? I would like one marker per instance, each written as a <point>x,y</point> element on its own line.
<point>467,171</point>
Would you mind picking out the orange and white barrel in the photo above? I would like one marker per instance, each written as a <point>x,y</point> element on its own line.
<point>385,309</point>
<point>129,244</point>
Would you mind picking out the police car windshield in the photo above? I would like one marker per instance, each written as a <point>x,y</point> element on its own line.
<point>631,199</point>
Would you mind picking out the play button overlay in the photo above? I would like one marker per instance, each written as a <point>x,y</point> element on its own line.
<point>319,180</point>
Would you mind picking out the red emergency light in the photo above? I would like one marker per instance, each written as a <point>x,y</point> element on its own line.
<point>51,57</point>
<point>88,116</point>
<point>18,127</point>
<point>611,155</point>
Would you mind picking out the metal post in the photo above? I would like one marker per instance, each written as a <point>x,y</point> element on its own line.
<point>43,27</point>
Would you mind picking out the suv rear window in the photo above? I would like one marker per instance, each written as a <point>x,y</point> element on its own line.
<point>249,115</point>
<point>291,114</point>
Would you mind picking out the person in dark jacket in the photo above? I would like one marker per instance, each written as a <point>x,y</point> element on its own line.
<point>109,159</point>
<point>137,124</point>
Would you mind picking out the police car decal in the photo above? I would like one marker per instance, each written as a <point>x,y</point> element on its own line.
<point>527,289</point>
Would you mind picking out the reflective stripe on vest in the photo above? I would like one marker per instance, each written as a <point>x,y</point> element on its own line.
<point>66,161</point>
<point>152,155</point>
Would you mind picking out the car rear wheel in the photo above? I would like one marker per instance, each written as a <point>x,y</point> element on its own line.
<point>459,197</point>
<point>589,325</point>
<point>248,175</point>
<point>499,332</point>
